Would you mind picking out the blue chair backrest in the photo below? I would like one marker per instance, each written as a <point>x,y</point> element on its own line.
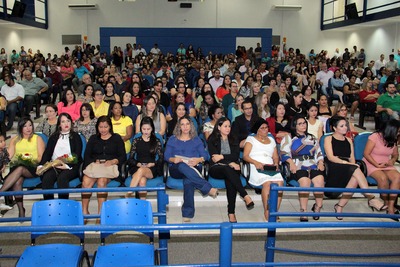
<point>44,137</point>
<point>328,126</point>
<point>321,142</point>
<point>229,112</point>
<point>360,141</point>
<point>125,211</point>
<point>84,143</point>
<point>196,125</point>
<point>57,212</point>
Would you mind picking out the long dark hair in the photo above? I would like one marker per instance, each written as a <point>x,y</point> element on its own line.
<point>112,104</point>
<point>88,107</point>
<point>58,128</point>
<point>215,136</point>
<point>389,132</point>
<point>21,124</point>
<point>64,96</point>
<point>104,119</point>
<point>293,125</point>
<point>153,138</point>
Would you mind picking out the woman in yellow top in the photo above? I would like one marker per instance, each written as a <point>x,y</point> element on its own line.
<point>26,150</point>
<point>100,107</point>
<point>122,124</point>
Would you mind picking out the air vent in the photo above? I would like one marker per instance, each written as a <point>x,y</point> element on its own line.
<point>83,6</point>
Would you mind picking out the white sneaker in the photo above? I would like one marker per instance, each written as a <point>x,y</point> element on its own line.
<point>5,207</point>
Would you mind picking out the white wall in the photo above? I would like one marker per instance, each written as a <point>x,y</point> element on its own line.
<point>300,27</point>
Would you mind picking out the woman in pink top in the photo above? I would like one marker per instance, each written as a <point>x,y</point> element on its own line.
<point>68,104</point>
<point>67,71</point>
<point>380,155</point>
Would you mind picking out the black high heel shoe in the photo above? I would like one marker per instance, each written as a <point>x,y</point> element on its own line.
<point>314,209</point>
<point>249,205</point>
<point>303,218</point>
<point>232,220</point>
<point>376,206</point>
<point>335,208</point>
<point>395,213</point>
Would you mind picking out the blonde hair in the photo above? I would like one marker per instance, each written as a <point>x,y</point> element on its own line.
<point>260,108</point>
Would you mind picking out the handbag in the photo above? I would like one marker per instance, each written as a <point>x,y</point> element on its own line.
<point>99,170</point>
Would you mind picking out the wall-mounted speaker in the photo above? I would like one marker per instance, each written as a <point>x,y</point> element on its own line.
<point>351,11</point>
<point>186,5</point>
<point>18,9</point>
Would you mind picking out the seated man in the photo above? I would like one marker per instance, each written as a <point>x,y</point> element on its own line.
<point>14,93</point>
<point>389,102</point>
<point>87,79</point>
<point>34,87</point>
<point>243,123</point>
<point>323,77</point>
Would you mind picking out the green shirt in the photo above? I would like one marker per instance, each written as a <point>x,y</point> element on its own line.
<point>33,86</point>
<point>387,101</point>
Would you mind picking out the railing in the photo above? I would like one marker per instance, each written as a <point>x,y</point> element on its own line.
<point>226,229</point>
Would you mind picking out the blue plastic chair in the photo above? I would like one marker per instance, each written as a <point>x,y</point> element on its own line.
<point>125,212</point>
<point>35,181</point>
<point>360,141</point>
<point>55,212</point>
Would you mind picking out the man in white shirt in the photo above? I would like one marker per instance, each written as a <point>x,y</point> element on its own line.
<point>381,62</point>
<point>216,81</point>
<point>14,93</point>
<point>155,51</point>
<point>323,77</point>
<point>140,49</point>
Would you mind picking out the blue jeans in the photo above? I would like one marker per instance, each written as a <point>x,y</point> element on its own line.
<point>191,181</point>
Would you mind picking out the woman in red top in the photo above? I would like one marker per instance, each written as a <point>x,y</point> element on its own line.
<point>224,89</point>
<point>137,94</point>
<point>369,96</point>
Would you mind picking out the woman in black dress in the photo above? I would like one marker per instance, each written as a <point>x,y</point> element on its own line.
<point>340,158</point>
<point>146,156</point>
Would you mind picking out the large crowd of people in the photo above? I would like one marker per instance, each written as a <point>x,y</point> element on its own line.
<point>275,108</point>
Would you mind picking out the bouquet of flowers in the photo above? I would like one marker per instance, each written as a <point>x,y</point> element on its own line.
<point>60,161</point>
<point>24,160</point>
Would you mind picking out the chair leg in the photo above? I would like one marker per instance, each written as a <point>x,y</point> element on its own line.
<point>361,121</point>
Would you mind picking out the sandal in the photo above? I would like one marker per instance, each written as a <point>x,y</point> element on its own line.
<point>316,209</point>
<point>377,205</point>
<point>336,208</point>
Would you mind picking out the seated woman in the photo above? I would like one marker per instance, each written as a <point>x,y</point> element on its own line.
<point>109,94</point>
<point>294,106</point>
<point>48,125</point>
<point>146,157</point>
<point>128,108</point>
<point>179,98</point>
<point>180,111</point>
<point>26,150</point>
<point>324,110</point>
<point>340,158</point>
<point>100,108</point>
<point>307,92</point>
<point>380,155</point>
<point>237,107</point>
<point>105,147</point>
<point>149,109</point>
<point>200,99</point>
<point>86,124</point>
<point>306,163</point>
<point>314,125</point>
<point>337,83</point>
<point>278,123</point>
<point>281,96</point>
<point>63,142</point>
<point>68,104</point>
<point>137,94</point>
<point>215,112</point>
<point>224,89</point>
<point>208,100</point>
<point>88,94</point>
<point>351,91</point>
<point>185,152</point>
<point>262,105</point>
<point>224,151</point>
<point>260,151</point>
<point>122,124</point>
<point>341,110</point>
